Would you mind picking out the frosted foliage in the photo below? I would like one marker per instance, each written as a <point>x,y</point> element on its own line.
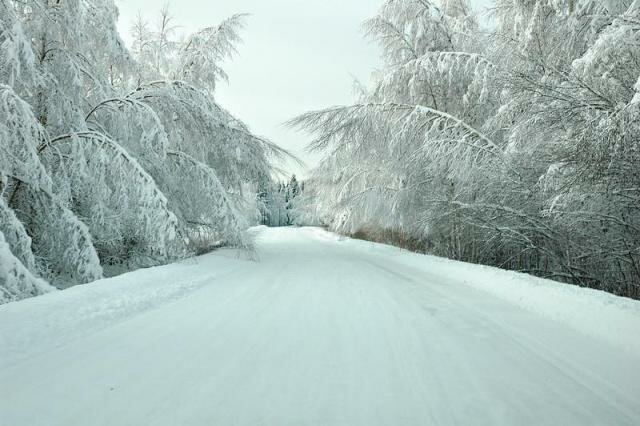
<point>610,60</point>
<point>408,29</point>
<point>16,237</point>
<point>112,160</point>
<point>61,242</point>
<point>144,138</point>
<point>28,180</point>
<point>421,114</point>
<point>460,83</point>
<point>636,97</point>
<point>515,146</point>
<point>20,136</point>
<point>201,120</point>
<point>200,55</point>
<point>126,213</point>
<point>199,127</point>
<point>195,60</point>
<point>17,59</point>
<point>16,281</point>
<point>73,61</point>
<point>209,209</point>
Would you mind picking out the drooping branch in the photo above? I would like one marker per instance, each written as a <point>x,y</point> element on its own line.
<point>201,54</point>
<point>334,123</point>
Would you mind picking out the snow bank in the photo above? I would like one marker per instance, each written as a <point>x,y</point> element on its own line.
<point>40,324</point>
<point>592,312</point>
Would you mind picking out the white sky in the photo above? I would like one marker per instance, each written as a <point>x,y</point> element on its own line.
<point>297,55</point>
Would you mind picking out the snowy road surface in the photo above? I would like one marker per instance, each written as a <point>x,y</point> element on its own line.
<point>320,331</point>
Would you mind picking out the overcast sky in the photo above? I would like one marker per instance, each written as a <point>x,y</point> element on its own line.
<point>297,55</point>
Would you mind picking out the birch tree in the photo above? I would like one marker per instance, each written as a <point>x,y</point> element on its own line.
<point>513,146</point>
<point>114,159</point>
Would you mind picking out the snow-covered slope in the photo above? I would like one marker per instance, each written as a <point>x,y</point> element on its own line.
<point>320,330</point>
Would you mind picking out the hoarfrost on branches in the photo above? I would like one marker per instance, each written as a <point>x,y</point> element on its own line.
<point>114,159</point>
<point>515,145</point>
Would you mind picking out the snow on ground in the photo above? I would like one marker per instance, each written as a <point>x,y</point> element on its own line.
<point>38,325</point>
<point>320,330</point>
<point>596,313</point>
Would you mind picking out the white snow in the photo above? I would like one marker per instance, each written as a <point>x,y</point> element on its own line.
<point>320,330</point>
<point>602,315</point>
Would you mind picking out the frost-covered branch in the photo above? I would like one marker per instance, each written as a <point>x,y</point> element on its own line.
<point>201,54</point>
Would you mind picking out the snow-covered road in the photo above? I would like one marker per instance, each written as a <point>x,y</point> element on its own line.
<point>319,331</point>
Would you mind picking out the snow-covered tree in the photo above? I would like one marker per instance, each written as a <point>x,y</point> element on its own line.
<point>16,281</point>
<point>57,236</point>
<point>514,146</point>
<point>114,159</point>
